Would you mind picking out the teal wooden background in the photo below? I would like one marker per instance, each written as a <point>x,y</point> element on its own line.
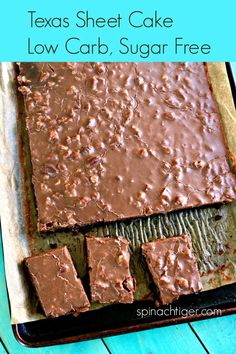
<point>215,336</point>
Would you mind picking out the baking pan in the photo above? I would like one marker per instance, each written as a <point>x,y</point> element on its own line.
<point>116,319</point>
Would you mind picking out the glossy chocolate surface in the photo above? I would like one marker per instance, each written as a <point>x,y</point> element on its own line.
<point>54,277</point>
<point>173,267</point>
<point>119,140</point>
<point>109,274</point>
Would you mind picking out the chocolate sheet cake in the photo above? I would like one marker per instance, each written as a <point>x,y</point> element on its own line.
<point>109,274</point>
<point>55,279</point>
<point>173,267</point>
<point>120,140</point>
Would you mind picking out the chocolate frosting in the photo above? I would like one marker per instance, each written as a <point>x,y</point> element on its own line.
<point>118,140</point>
<point>54,277</point>
<point>109,274</point>
<point>173,267</point>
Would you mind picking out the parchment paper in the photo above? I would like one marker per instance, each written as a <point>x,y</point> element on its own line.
<point>212,229</point>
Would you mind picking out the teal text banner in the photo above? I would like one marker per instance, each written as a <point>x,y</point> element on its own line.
<point>118,30</point>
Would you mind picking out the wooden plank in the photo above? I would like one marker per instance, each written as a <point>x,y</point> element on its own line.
<point>95,346</point>
<point>2,349</point>
<point>178,339</point>
<point>217,334</point>
<point>234,68</point>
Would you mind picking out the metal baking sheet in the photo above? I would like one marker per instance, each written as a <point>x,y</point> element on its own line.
<point>215,254</point>
<point>118,319</point>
